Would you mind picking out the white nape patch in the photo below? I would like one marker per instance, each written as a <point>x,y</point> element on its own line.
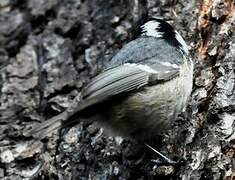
<point>182,42</point>
<point>142,67</point>
<point>150,29</point>
<point>168,64</point>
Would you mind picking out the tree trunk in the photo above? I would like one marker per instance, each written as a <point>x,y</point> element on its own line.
<point>50,48</point>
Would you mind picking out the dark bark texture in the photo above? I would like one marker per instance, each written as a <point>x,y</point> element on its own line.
<point>50,48</point>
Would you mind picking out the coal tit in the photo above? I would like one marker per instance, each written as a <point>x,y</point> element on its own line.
<point>141,90</point>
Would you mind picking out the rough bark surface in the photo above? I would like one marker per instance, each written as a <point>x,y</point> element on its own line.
<point>50,48</point>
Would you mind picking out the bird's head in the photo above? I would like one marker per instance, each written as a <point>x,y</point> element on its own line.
<point>161,29</point>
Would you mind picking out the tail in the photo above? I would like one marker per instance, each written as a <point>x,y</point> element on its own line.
<point>46,128</point>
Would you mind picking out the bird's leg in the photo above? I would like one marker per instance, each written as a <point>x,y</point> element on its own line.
<point>165,159</point>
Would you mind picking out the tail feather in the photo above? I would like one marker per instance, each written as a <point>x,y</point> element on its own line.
<point>46,128</point>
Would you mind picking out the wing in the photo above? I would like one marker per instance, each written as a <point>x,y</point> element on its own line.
<point>123,79</point>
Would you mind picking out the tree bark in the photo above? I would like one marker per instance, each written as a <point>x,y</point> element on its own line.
<point>49,49</point>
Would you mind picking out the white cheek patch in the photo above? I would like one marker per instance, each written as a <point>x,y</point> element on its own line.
<point>143,67</point>
<point>151,29</point>
<point>181,41</point>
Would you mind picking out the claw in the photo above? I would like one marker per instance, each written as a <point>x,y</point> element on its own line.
<point>166,159</point>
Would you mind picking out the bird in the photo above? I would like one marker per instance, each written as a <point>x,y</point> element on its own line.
<point>140,91</point>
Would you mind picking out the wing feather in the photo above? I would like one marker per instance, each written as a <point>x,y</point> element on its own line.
<point>120,80</point>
